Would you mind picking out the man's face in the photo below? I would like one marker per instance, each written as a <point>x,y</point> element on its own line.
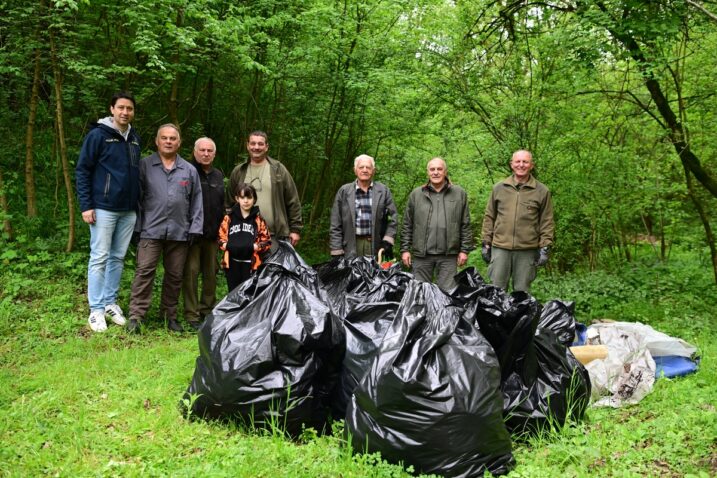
<point>257,148</point>
<point>204,152</point>
<point>122,112</point>
<point>168,141</point>
<point>522,165</point>
<point>364,170</point>
<point>436,172</point>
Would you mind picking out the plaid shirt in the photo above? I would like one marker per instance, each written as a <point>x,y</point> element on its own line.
<point>363,210</point>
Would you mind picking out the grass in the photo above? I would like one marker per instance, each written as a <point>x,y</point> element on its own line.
<point>73,403</point>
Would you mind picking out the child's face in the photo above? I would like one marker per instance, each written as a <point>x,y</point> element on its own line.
<point>245,202</point>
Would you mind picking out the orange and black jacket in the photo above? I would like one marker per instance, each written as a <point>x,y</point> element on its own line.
<point>237,231</point>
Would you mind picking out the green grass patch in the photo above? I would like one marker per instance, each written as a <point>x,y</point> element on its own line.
<point>73,403</point>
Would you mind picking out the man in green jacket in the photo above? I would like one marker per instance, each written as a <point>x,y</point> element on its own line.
<point>436,237</point>
<point>278,199</point>
<point>518,226</point>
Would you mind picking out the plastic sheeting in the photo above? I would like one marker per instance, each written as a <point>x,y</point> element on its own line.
<point>628,372</point>
<point>432,396</point>
<point>270,351</point>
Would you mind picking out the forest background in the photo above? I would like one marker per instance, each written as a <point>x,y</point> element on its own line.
<point>616,100</point>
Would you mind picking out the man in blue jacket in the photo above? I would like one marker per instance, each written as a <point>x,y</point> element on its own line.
<point>107,177</point>
<point>171,218</point>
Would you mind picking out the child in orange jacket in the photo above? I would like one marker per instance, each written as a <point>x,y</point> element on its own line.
<point>243,236</point>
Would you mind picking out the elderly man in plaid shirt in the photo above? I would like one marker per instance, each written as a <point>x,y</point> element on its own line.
<point>364,216</point>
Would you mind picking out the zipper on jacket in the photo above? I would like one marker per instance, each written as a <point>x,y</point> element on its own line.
<point>107,186</point>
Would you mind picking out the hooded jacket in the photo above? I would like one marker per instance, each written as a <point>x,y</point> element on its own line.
<point>107,172</point>
<point>233,236</point>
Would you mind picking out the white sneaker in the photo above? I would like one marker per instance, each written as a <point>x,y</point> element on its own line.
<point>115,313</point>
<point>97,321</point>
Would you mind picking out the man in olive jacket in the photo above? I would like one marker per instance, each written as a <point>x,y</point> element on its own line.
<point>518,226</point>
<point>363,217</point>
<point>277,197</point>
<point>436,237</point>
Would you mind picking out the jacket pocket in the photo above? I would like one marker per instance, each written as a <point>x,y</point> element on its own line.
<point>107,185</point>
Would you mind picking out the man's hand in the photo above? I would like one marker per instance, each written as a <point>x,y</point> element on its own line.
<point>406,259</point>
<point>543,257</point>
<point>485,252</point>
<point>225,260</point>
<point>462,259</point>
<point>294,238</point>
<point>134,240</point>
<point>387,250</point>
<point>89,216</point>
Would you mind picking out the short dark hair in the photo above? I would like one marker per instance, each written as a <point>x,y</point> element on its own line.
<point>123,94</point>
<point>259,132</point>
<point>245,190</point>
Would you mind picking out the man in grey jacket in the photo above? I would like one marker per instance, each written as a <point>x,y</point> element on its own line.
<point>171,216</point>
<point>436,237</point>
<point>363,217</point>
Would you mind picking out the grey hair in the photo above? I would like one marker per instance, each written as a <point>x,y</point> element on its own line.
<point>170,125</point>
<point>522,151</point>
<point>205,138</point>
<point>364,156</point>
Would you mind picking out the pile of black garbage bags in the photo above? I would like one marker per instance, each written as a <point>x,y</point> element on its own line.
<point>434,380</point>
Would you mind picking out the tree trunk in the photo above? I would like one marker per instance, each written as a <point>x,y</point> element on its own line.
<point>173,100</point>
<point>709,235</point>
<point>29,156</point>
<point>6,225</point>
<point>63,146</point>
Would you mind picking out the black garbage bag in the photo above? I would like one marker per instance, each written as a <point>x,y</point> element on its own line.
<point>270,354</point>
<point>365,327</point>
<point>431,398</point>
<point>348,282</point>
<point>542,382</point>
<point>559,317</point>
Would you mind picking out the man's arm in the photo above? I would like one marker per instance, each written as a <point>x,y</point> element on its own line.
<point>196,206</point>
<point>84,172</point>
<point>336,230</point>
<point>547,224</point>
<point>467,243</point>
<point>488,220</point>
<point>391,217</point>
<point>407,232</point>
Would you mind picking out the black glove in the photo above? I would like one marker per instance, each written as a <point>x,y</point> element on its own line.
<point>543,257</point>
<point>194,238</point>
<point>485,252</point>
<point>387,250</point>
<point>134,240</point>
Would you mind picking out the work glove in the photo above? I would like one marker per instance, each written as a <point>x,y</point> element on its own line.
<point>485,252</point>
<point>543,257</point>
<point>387,250</point>
<point>194,238</point>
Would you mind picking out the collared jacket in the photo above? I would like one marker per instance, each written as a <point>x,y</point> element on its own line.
<point>417,217</point>
<point>107,172</point>
<point>519,217</point>
<point>170,201</point>
<point>342,234</point>
<point>284,197</point>
<point>212,199</point>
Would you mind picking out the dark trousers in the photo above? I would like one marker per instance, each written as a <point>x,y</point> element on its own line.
<point>173,254</point>
<point>201,260</point>
<point>238,272</point>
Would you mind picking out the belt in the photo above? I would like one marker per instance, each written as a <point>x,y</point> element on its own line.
<point>363,238</point>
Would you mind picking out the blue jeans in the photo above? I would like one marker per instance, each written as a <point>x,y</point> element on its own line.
<point>109,239</point>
